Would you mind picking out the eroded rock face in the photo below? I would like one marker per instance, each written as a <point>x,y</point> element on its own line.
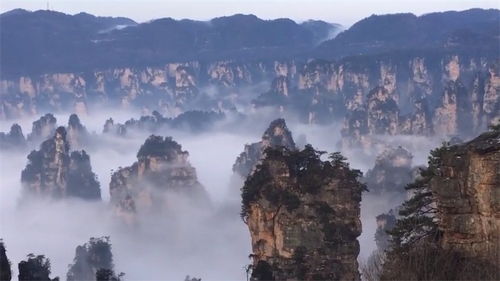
<point>162,167</point>
<point>53,172</point>
<point>276,135</point>
<point>466,192</point>
<point>303,216</point>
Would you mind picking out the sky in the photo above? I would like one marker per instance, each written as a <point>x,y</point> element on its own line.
<point>345,12</point>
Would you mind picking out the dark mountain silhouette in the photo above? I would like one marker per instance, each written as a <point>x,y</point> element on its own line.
<point>474,28</point>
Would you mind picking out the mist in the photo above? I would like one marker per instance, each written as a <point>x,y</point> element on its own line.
<point>186,239</point>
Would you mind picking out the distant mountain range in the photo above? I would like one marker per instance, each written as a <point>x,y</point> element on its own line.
<point>470,29</point>
<point>46,41</point>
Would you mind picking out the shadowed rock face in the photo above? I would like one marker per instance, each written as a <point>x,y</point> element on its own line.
<point>303,216</point>
<point>89,258</point>
<point>276,135</point>
<point>14,139</point>
<point>53,172</point>
<point>466,192</point>
<point>162,166</point>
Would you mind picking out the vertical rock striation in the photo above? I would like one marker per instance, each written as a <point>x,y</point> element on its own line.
<point>52,171</point>
<point>303,216</point>
<point>466,192</point>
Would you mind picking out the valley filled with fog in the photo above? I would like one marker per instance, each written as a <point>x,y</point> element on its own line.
<point>185,239</point>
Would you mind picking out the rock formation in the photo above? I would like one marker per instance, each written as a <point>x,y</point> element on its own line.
<point>392,171</point>
<point>14,139</point>
<point>194,120</point>
<point>303,216</point>
<point>35,268</point>
<point>43,128</point>
<point>385,223</point>
<point>449,228</point>
<point>89,259</point>
<point>5,271</point>
<point>77,134</point>
<point>466,193</point>
<point>53,172</point>
<point>162,166</point>
<point>276,135</point>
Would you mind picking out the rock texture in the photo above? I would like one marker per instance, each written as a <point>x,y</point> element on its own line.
<point>276,135</point>
<point>466,192</point>
<point>303,216</point>
<point>162,167</point>
<point>52,171</point>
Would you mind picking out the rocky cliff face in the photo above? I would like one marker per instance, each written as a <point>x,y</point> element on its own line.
<point>466,194</point>
<point>276,135</point>
<point>162,167</point>
<point>52,171</point>
<point>303,216</point>
<point>171,88</point>
<point>415,94</point>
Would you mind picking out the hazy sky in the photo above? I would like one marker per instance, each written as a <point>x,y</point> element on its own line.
<point>341,11</point>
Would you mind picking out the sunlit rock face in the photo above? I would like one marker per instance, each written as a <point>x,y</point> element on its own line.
<point>466,192</point>
<point>89,259</point>
<point>53,172</point>
<point>276,135</point>
<point>393,170</point>
<point>303,216</point>
<point>14,139</point>
<point>162,168</point>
